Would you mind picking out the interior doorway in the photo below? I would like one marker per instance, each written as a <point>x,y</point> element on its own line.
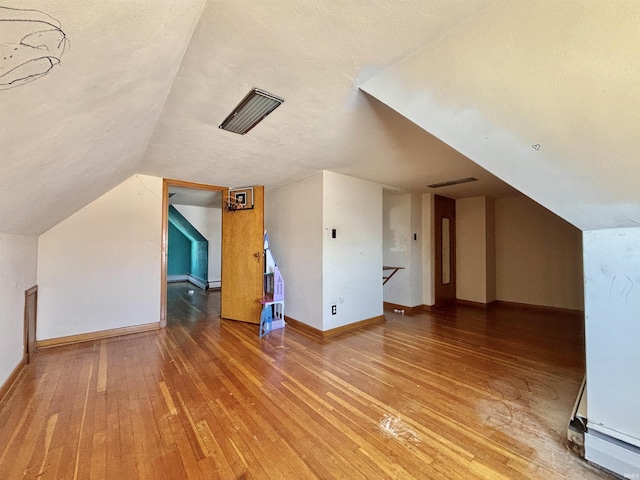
<point>196,222</point>
<point>445,247</point>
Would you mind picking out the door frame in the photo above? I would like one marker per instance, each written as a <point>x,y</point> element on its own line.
<point>28,352</point>
<point>166,183</point>
<point>441,203</point>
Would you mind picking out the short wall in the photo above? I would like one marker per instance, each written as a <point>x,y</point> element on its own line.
<point>293,218</point>
<point>352,261</point>
<point>538,256</point>
<point>18,268</point>
<point>100,268</point>
<point>396,246</point>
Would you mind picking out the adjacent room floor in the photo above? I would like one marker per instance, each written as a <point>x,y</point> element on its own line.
<point>462,393</point>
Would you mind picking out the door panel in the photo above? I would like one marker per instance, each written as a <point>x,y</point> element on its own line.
<point>242,260</point>
<point>30,309</point>
<point>445,243</point>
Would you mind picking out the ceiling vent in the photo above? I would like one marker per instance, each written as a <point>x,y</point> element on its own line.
<point>452,182</point>
<point>253,108</point>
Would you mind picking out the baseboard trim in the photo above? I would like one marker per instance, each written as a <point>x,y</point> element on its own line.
<point>410,311</point>
<point>88,337</point>
<point>9,384</point>
<point>471,303</point>
<point>214,284</point>
<point>334,331</point>
<point>539,308</point>
<point>198,282</point>
<point>177,278</point>
<point>427,308</point>
<point>298,325</point>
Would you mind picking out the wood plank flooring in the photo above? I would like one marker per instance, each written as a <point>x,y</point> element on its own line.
<point>471,393</point>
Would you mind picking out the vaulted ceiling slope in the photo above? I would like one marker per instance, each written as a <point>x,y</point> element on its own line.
<point>315,55</point>
<point>120,96</point>
<point>546,95</point>
<point>83,124</point>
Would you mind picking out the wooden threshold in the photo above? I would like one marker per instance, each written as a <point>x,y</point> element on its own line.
<point>88,337</point>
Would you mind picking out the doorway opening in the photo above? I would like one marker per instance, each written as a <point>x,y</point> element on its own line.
<point>445,247</point>
<point>191,243</point>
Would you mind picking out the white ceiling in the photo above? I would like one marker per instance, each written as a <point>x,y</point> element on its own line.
<point>142,87</point>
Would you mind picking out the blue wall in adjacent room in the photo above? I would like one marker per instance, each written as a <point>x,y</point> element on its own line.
<point>179,252</point>
<point>198,247</point>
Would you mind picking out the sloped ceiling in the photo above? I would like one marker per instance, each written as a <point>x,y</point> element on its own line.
<point>78,131</point>
<point>70,135</point>
<point>142,86</point>
<point>543,94</point>
<point>315,55</point>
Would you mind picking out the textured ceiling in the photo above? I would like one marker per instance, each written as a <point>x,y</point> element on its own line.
<point>315,55</point>
<point>546,98</point>
<point>141,87</point>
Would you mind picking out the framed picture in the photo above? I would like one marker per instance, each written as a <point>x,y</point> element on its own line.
<point>244,198</point>
<point>241,198</point>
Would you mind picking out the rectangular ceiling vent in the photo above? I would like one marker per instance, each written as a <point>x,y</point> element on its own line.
<point>253,108</point>
<point>452,182</point>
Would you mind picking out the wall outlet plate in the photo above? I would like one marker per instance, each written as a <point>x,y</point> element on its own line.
<point>334,309</point>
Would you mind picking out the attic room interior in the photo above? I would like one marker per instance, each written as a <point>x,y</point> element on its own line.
<point>484,150</point>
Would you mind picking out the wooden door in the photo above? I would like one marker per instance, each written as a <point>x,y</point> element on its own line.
<point>30,309</point>
<point>242,260</point>
<point>445,243</point>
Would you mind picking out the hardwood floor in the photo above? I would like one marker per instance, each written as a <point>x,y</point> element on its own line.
<point>472,393</point>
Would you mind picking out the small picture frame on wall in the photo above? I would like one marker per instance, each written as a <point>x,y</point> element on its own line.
<point>241,199</point>
<point>243,196</point>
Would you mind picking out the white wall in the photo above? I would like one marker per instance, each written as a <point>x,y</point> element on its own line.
<point>475,250</point>
<point>490,210</point>
<point>293,218</point>
<point>100,268</point>
<point>538,256</point>
<point>502,90</point>
<point>208,221</point>
<point>352,262</point>
<point>397,246</point>
<point>416,251</point>
<point>402,218</point>
<point>471,250</point>
<point>18,268</point>
<point>428,250</point>
<point>612,306</point>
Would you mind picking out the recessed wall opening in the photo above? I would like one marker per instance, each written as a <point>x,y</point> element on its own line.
<point>191,245</point>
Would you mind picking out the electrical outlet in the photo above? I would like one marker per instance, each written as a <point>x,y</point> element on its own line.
<point>334,309</point>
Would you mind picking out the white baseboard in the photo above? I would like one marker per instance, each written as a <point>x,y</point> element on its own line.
<point>198,282</point>
<point>612,454</point>
<point>214,283</point>
<point>177,278</point>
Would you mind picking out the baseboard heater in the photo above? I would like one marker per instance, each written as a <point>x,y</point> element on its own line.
<point>602,450</point>
<point>612,454</point>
